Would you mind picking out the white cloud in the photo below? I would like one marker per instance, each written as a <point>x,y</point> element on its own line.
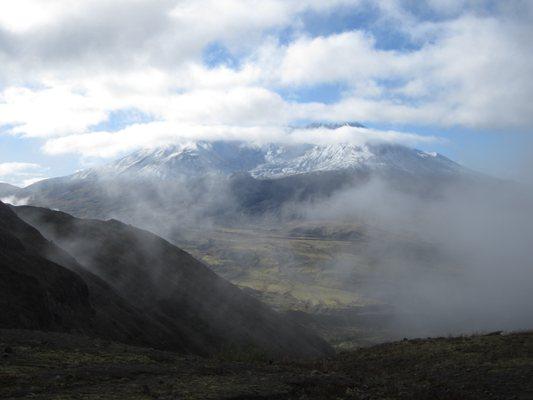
<point>23,15</point>
<point>21,173</point>
<point>111,144</point>
<point>74,38</point>
<point>348,56</point>
<point>10,168</point>
<point>474,74</point>
<point>47,112</point>
<point>66,66</point>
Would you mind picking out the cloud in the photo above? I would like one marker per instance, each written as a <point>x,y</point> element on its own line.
<point>16,167</point>
<point>472,73</point>
<point>66,68</point>
<point>27,14</point>
<point>73,38</point>
<point>111,144</point>
<point>20,173</point>
<point>50,111</point>
<point>348,56</point>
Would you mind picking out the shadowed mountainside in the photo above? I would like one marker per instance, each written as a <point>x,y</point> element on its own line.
<point>39,292</point>
<point>173,288</point>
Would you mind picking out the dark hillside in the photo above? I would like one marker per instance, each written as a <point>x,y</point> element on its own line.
<point>174,288</point>
<point>42,287</point>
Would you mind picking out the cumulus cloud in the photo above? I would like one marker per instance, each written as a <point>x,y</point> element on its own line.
<point>16,167</point>
<point>46,112</point>
<point>67,67</point>
<point>473,73</point>
<point>111,144</point>
<point>28,14</point>
<point>20,173</point>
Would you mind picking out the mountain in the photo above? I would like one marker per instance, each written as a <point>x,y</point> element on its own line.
<point>269,161</point>
<point>7,190</point>
<point>350,157</point>
<point>223,180</point>
<point>44,288</point>
<point>121,283</point>
<point>205,313</point>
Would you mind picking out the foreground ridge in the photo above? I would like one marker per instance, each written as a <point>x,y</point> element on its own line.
<point>46,366</point>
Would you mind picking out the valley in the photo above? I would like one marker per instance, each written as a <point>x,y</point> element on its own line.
<point>326,272</point>
<point>266,200</point>
<point>307,285</point>
<point>297,269</point>
<point>345,238</point>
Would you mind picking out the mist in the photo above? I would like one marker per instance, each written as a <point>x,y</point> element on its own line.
<point>479,273</point>
<point>457,261</point>
<point>440,256</point>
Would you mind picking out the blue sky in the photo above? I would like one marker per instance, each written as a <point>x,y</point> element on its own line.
<point>79,88</point>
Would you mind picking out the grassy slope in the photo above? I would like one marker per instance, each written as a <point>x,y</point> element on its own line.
<point>55,366</point>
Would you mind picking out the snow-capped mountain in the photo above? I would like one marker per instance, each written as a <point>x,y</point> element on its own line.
<point>273,160</point>
<point>193,158</point>
<point>339,157</point>
<point>224,179</point>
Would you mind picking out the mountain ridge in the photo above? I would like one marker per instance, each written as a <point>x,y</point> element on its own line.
<point>205,313</point>
<point>229,179</point>
<point>270,161</point>
<point>7,189</point>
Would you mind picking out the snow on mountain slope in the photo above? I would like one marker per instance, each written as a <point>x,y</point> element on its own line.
<point>195,158</point>
<point>271,161</point>
<point>274,160</point>
<point>314,159</point>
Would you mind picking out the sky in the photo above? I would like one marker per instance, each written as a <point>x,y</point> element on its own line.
<point>84,82</point>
